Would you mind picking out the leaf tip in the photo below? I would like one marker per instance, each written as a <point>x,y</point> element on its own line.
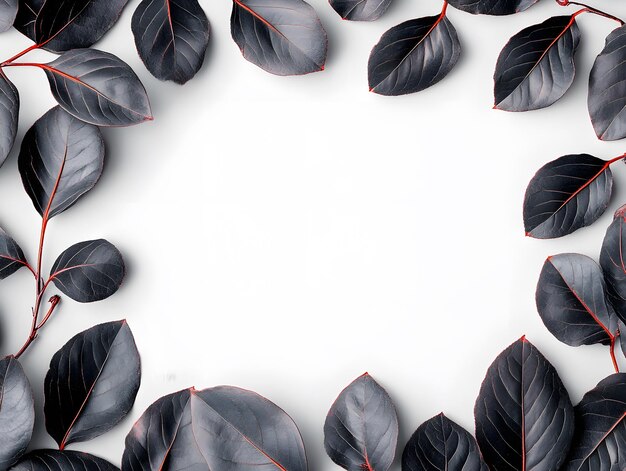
<point>523,339</point>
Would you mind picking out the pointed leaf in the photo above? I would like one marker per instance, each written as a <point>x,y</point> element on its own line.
<point>536,67</point>
<point>600,440</point>
<point>567,194</point>
<point>413,56</point>
<point>171,37</point>
<point>9,111</point>
<point>524,418</point>
<point>54,460</point>
<point>61,159</point>
<point>360,10</point>
<point>283,37</point>
<point>492,7</point>
<point>17,411</point>
<point>8,11</point>
<point>613,262</point>
<point>89,271</point>
<point>439,444</point>
<point>361,429</point>
<point>11,256</point>
<point>98,88</point>
<point>92,383</point>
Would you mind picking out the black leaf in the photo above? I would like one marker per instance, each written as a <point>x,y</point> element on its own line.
<point>9,111</point>
<point>360,10</point>
<point>613,263</point>
<point>8,11</point>
<point>492,7</point>
<point>54,460</point>
<point>11,256</point>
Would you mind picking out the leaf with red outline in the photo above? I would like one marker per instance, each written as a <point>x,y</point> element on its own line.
<point>360,10</point>
<point>89,271</point>
<point>613,262</point>
<point>55,460</point>
<point>524,417</point>
<point>492,7</point>
<point>361,429</point>
<point>536,67</point>
<point>8,12</point>
<point>9,112</point>
<point>92,383</point>
<point>283,37</point>
<point>567,194</point>
<point>11,256</point>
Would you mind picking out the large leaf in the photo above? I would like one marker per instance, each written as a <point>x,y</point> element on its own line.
<point>98,88</point>
<point>89,271</point>
<point>361,429</point>
<point>283,37</point>
<point>536,67</point>
<point>572,302</point>
<point>607,88</point>
<point>92,383</point>
<point>492,7</point>
<point>9,111</point>
<point>600,440</point>
<point>171,37</point>
<point>54,460</point>
<point>566,194</point>
<point>61,25</point>
<point>11,256</point>
<point>17,411</point>
<point>439,444</point>
<point>61,159</point>
<point>524,417</point>
<point>8,11</point>
<point>613,262</point>
<point>360,10</point>
<point>413,56</point>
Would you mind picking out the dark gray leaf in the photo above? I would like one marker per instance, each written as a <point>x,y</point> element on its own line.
<point>361,429</point>
<point>492,7</point>
<point>98,88</point>
<point>171,37</point>
<point>283,37</point>
<point>607,88</point>
<point>360,10</point>
<point>11,256</point>
<point>622,336</point>
<point>600,440</point>
<point>54,460</point>
<point>613,262</point>
<point>61,159</point>
<point>439,444</point>
<point>9,112</point>
<point>8,11</point>
<point>92,383</point>
<point>524,417</point>
<point>17,411</point>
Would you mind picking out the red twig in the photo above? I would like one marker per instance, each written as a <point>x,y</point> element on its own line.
<point>590,9</point>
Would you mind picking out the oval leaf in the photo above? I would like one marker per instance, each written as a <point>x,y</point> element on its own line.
<point>440,444</point>
<point>9,111</point>
<point>360,10</point>
<point>61,159</point>
<point>524,418</point>
<point>54,460</point>
<point>89,271</point>
<point>283,37</point>
<point>571,300</point>
<point>98,88</point>
<point>11,256</point>
<point>413,56</point>
<point>607,88</point>
<point>17,411</point>
<point>613,263</point>
<point>492,7</point>
<point>536,67</point>
<point>92,383</point>
<point>566,194</point>
<point>361,429</point>
<point>599,442</point>
<point>8,12</point>
<point>171,37</point>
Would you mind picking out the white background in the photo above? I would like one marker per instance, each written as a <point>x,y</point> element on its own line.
<point>287,234</point>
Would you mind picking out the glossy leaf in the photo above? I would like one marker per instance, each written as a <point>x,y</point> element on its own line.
<point>171,37</point>
<point>613,262</point>
<point>62,25</point>
<point>413,56</point>
<point>8,11</point>
<point>607,88</point>
<point>439,444</point>
<point>361,429</point>
<point>622,336</point>
<point>89,271</point>
<point>492,7</point>
<point>360,10</point>
<point>54,460</point>
<point>9,111</point>
<point>283,37</point>
<point>98,88</point>
<point>92,383</point>
<point>567,194</point>
<point>600,440</point>
<point>17,411</point>
<point>524,418</point>
<point>61,159</point>
<point>572,302</point>
<point>11,256</point>
<point>536,67</point>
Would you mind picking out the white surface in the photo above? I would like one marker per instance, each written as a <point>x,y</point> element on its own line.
<point>287,234</point>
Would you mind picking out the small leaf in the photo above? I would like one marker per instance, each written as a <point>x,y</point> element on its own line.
<point>8,11</point>
<point>171,37</point>
<point>439,444</point>
<point>17,411</point>
<point>524,418</point>
<point>571,300</point>
<point>11,256</point>
<point>361,429</point>
<point>613,263</point>
<point>54,460</point>
<point>536,67</point>
<point>607,88</point>
<point>567,194</point>
<point>92,383</point>
<point>492,7</point>
<point>283,37</point>
<point>413,56</point>
<point>98,88</point>
<point>600,440</point>
<point>89,271</point>
<point>61,159</point>
<point>9,111</point>
<point>360,10</point>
